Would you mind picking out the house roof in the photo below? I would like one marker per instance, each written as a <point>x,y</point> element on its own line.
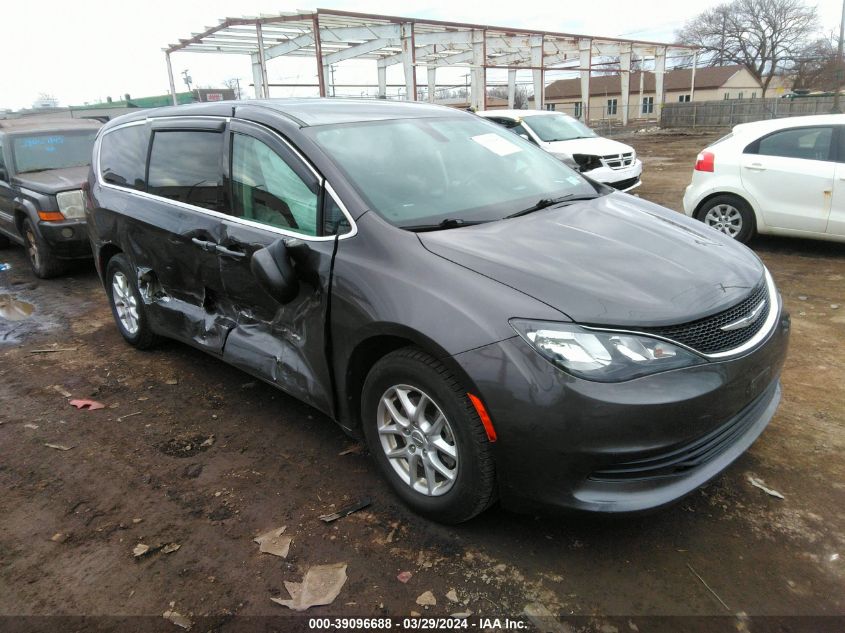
<point>673,80</point>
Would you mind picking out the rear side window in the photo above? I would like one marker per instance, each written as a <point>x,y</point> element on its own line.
<point>266,189</point>
<point>185,166</point>
<point>123,156</point>
<point>809,143</point>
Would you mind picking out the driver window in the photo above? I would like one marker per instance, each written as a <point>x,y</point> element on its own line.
<point>265,189</point>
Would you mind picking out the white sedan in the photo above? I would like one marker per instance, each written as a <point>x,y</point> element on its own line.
<point>602,159</point>
<point>779,177</point>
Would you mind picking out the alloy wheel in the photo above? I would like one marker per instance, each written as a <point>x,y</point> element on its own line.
<point>124,303</point>
<point>724,218</point>
<point>32,248</point>
<point>417,440</point>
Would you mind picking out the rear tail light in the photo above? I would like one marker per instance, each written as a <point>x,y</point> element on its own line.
<point>705,161</point>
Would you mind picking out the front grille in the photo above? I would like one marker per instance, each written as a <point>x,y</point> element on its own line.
<point>624,184</point>
<point>618,161</point>
<point>687,457</point>
<point>706,336</point>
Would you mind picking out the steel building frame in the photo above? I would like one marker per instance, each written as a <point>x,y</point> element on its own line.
<point>331,36</point>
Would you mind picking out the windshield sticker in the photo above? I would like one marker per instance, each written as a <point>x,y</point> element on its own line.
<point>496,144</point>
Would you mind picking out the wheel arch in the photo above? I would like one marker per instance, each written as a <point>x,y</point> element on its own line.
<point>104,255</point>
<point>381,340</point>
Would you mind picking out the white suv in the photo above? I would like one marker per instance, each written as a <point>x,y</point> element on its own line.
<point>601,159</point>
<point>783,177</point>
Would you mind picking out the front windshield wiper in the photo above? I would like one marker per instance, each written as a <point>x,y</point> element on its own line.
<point>545,203</point>
<point>448,223</point>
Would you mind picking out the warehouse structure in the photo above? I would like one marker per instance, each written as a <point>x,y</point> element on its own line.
<point>331,36</point>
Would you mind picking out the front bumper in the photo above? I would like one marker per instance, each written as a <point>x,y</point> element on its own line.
<point>620,447</point>
<point>67,239</point>
<point>622,179</point>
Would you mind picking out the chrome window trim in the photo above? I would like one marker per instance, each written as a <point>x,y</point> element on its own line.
<point>225,216</point>
<point>765,331</point>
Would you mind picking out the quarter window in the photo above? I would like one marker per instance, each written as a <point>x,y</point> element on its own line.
<point>807,143</point>
<point>185,166</point>
<point>266,189</point>
<point>123,156</point>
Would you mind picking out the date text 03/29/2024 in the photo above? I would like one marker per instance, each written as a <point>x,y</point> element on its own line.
<point>418,623</point>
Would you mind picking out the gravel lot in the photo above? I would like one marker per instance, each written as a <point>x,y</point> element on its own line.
<point>190,451</point>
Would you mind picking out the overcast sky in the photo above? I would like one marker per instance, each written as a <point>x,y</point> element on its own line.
<point>84,50</point>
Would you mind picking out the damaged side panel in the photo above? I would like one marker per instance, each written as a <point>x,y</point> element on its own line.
<point>282,344</point>
<point>179,281</point>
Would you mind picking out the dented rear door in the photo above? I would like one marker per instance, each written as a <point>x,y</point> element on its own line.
<point>175,227</point>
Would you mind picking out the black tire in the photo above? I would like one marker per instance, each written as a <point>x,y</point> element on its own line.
<point>5,242</point>
<point>143,337</point>
<point>748,222</point>
<point>474,487</point>
<point>41,259</point>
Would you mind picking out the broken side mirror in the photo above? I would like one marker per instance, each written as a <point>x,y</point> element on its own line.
<point>273,269</point>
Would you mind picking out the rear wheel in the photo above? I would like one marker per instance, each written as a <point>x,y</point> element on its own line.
<point>127,305</point>
<point>41,259</point>
<point>730,215</point>
<point>427,438</point>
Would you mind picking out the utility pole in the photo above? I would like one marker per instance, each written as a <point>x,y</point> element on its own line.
<point>840,68</point>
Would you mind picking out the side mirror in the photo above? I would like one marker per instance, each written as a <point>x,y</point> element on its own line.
<point>273,269</point>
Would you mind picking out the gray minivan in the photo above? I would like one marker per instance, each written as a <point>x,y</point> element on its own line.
<point>495,325</point>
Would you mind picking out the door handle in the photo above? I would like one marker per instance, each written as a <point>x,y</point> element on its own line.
<point>755,167</point>
<point>205,245</point>
<point>227,252</point>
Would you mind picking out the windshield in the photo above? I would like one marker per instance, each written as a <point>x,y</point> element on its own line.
<point>424,171</point>
<point>52,150</point>
<point>557,127</point>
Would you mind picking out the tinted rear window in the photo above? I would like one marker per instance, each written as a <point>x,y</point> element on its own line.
<point>185,166</point>
<point>123,156</point>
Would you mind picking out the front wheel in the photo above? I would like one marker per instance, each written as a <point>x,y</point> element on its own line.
<point>427,438</point>
<point>41,259</point>
<point>730,215</point>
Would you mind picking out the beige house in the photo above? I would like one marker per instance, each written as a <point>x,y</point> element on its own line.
<point>720,82</point>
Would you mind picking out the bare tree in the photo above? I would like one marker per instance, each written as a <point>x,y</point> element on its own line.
<point>816,66</point>
<point>234,84</point>
<point>762,35</point>
<point>520,96</point>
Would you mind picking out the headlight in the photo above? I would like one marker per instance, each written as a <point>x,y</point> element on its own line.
<point>71,204</point>
<point>601,355</point>
<point>587,162</point>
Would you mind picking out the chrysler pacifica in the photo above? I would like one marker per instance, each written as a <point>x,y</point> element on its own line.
<point>495,325</point>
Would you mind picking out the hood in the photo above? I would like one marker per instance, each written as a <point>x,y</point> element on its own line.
<point>615,260</point>
<point>53,181</point>
<point>597,146</point>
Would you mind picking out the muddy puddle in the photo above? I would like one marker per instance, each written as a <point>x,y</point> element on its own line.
<point>13,309</point>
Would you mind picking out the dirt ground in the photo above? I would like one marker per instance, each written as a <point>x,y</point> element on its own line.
<point>190,451</point>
